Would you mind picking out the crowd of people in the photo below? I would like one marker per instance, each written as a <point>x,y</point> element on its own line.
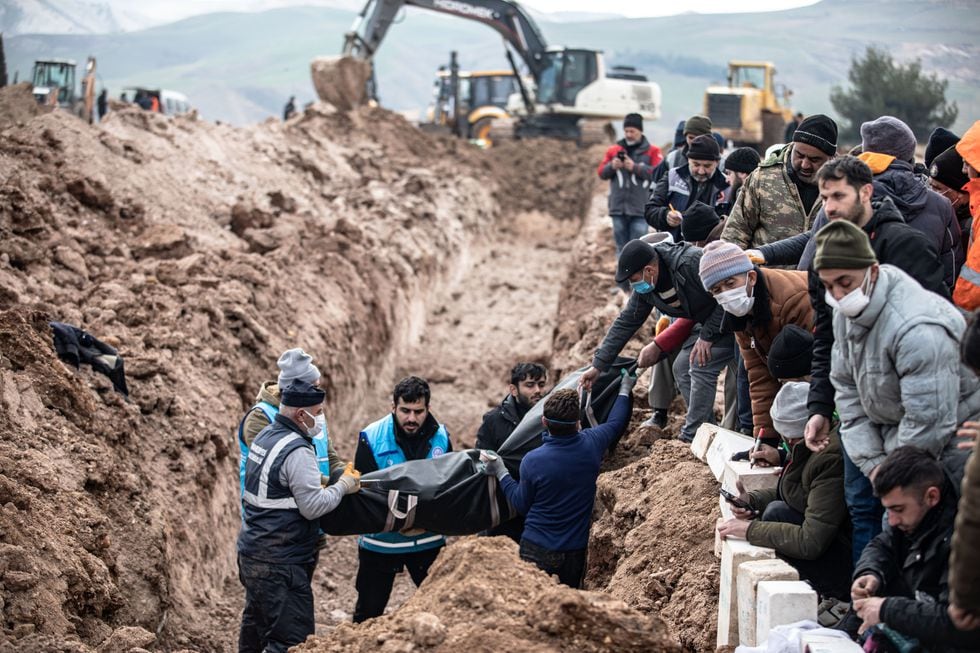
<point>840,292</point>
<point>835,292</point>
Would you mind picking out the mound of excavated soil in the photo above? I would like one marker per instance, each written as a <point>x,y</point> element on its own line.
<point>479,596</point>
<point>17,104</point>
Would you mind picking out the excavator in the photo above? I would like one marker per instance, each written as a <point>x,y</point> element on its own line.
<point>570,87</point>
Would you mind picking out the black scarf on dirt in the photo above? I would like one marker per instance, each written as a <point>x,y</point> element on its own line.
<point>75,346</point>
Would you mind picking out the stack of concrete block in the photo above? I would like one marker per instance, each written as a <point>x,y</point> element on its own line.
<point>820,643</point>
<point>750,574</point>
<point>733,553</point>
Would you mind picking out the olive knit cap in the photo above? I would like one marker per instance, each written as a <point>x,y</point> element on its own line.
<point>843,245</point>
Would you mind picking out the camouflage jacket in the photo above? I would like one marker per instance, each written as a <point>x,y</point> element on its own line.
<point>768,207</point>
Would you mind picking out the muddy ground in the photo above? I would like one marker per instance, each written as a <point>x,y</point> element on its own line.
<point>201,251</point>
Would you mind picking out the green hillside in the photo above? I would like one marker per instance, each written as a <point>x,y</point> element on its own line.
<point>241,67</point>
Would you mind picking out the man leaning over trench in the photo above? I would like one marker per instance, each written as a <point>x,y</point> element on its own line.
<point>665,276</point>
<point>282,501</point>
<point>558,483</point>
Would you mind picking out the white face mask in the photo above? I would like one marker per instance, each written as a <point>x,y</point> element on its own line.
<point>318,424</point>
<point>851,304</point>
<point>737,301</point>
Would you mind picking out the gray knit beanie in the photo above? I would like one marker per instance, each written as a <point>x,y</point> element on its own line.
<point>789,412</point>
<point>296,365</point>
<point>888,135</point>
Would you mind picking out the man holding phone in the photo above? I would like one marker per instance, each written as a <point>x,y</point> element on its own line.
<point>804,518</point>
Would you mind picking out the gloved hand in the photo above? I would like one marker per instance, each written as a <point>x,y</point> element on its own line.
<point>493,464</point>
<point>662,324</point>
<point>627,383</point>
<point>351,479</point>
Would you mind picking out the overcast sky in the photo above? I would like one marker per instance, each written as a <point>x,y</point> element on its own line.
<point>168,10</point>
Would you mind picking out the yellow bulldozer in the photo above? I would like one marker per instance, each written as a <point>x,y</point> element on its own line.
<point>752,109</point>
<point>467,102</point>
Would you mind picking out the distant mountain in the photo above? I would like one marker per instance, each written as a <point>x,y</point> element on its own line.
<point>65,17</point>
<point>241,67</point>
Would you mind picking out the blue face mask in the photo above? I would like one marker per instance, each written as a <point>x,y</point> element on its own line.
<point>642,286</point>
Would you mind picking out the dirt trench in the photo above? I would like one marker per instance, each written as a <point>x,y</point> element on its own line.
<point>201,251</point>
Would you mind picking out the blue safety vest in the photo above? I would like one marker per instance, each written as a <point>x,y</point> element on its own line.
<point>380,436</point>
<point>321,443</point>
<point>273,528</point>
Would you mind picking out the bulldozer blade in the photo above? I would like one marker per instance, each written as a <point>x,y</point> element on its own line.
<point>341,81</point>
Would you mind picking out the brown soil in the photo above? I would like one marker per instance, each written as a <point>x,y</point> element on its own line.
<point>201,252</point>
<point>17,104</point>
<point>479,596</point>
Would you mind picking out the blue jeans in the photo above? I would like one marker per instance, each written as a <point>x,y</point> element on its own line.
<point>627,228</point>
<point>862,504</point>
<point>745,418</point>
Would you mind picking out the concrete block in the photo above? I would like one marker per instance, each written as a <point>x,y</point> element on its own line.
<point>781,602</point>
<point>702,440</point>
<point>752,478</point>
<point>749,575</point>
<point>819,643</point>
<point>725,508</point>
<point>733,553</point>
<point>723,445</point>
<point>718,539</point>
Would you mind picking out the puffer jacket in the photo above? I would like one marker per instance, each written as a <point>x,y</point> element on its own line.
<point>769,207</point>
<point>812,484</point>
<point>964,561</point>
<point>925,210</point>
<point>681,262</point>
<point>628,191</point>
<point>913,572</point>
<point>781,298</point>
<point>897,373</point>
<point>967,293</point>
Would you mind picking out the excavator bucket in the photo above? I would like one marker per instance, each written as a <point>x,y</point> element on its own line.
<point>341,81</point>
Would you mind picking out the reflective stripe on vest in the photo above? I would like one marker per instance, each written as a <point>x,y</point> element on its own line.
<point>267,459</point>
<point>270,413</point>
<point>380,437</point>
<point>678,190</point>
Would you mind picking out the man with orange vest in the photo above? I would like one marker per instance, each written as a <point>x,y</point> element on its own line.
<point>966,295</point>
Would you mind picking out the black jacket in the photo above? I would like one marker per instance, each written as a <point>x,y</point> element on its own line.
<point>499,423</point>
<point>894,242</point>
<point>681,191</point>
<point>415,447</point>
<point>913,570</point>
<point>927,211</point>
<point>681,261</point>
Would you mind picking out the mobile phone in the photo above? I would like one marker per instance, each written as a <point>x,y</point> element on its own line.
<point>734,500</point>
<point>621,155</point>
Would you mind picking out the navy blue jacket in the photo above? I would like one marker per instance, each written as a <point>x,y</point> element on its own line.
<point>558,483</point>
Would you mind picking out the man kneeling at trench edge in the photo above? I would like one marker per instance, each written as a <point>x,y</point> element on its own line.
<point>282,501</point>
<point>558,483</point>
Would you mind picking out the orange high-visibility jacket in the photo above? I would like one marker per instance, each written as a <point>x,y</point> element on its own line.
<point>966,294</point>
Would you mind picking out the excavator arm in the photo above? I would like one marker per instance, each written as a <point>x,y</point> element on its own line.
<point>508,18</point>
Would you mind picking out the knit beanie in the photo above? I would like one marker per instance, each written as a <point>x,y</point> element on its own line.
<point>791,353</point>
<point>940,140</point>
<point>843,245</point>
<point>698,126</point>
<point>947,168</point>
<point>704,148</point>
<point>679,139</point>
<point>888,135</point>
<point>743,159</point>
<point>633,120</point>
<point>296,364</point>
<point>699,219</point>
<point>789,413</point>
<point>969,146</point>
<point>819,131</point>
<point>300,394</point>
<point>721,260</point>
